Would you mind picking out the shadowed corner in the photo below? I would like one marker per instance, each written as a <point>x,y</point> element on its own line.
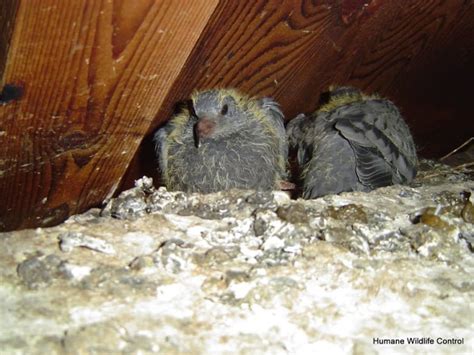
<point>324,98</point>
<point>144,163</point>
<point>294,174</point>
<point>11,92</point>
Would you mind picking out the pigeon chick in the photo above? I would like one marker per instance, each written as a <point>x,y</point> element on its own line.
<point>223,140</point>
<point>354,142</point>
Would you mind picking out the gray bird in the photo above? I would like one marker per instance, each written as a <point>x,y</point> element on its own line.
<point>223,140</point>
<point>354,142</point>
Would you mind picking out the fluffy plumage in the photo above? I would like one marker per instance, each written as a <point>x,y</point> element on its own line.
<point>354,142</point>
<point>223,140</point>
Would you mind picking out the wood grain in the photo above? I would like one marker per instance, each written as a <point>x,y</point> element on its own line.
<point>413,52</point>
<point>296,50</point>
<point>95,74</point>
<point>8,10</point>
<point>100,75</point>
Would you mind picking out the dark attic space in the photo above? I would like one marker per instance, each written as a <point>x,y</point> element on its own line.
<point>251,177</point>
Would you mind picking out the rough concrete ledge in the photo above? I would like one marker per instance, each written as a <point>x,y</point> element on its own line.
<point>248,272</point>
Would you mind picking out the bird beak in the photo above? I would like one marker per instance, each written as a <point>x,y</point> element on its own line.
<point>203,129</point>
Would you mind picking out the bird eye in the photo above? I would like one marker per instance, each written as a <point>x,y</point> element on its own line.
<point>224,110</point>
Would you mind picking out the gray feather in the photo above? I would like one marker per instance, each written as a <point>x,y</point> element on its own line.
<point>356,146</point>
<point>273,110</point>
<point>238,147</point>
<point>161,146</point>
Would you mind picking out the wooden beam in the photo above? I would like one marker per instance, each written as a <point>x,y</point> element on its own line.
<point>99,75</point>
<point>8,10</point>
<point>295,50</point>
<point>95,74</point>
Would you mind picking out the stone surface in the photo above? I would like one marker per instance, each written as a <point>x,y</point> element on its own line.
<point>248,272</point>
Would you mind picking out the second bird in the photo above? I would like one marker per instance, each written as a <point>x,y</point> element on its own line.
<point>223,140</point>
<point>354,142</point>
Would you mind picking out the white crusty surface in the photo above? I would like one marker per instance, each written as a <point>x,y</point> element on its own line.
<point>249,273</point>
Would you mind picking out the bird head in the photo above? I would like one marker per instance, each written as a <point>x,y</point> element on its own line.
<point>339,96</point>
<point>219,114</point>
<point>338,91</point>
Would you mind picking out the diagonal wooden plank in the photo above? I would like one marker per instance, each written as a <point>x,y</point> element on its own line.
<point>294,50</point>
<point>94,74</point>
<point>8,10</point>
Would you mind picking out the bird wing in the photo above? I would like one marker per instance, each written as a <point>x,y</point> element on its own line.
<point>332,167</point>
<point>273,110</point>
<point>298,135</point>
<point>379,161</point>
<point>295,129</point>
<point>161,146</point>
<point>371,167</point>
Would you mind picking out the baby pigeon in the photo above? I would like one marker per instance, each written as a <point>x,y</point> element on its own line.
<point>354,142</point>
<point>223,140</point>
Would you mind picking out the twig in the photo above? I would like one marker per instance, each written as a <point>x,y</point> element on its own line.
<point>465,165</point>
<point>456,149</point>
<point>457,167</point>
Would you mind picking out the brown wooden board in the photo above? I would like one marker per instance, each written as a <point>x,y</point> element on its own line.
<point>99,76</point>
<point>94,75</point>
<point>8,10</point>
<point>420,54</point>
